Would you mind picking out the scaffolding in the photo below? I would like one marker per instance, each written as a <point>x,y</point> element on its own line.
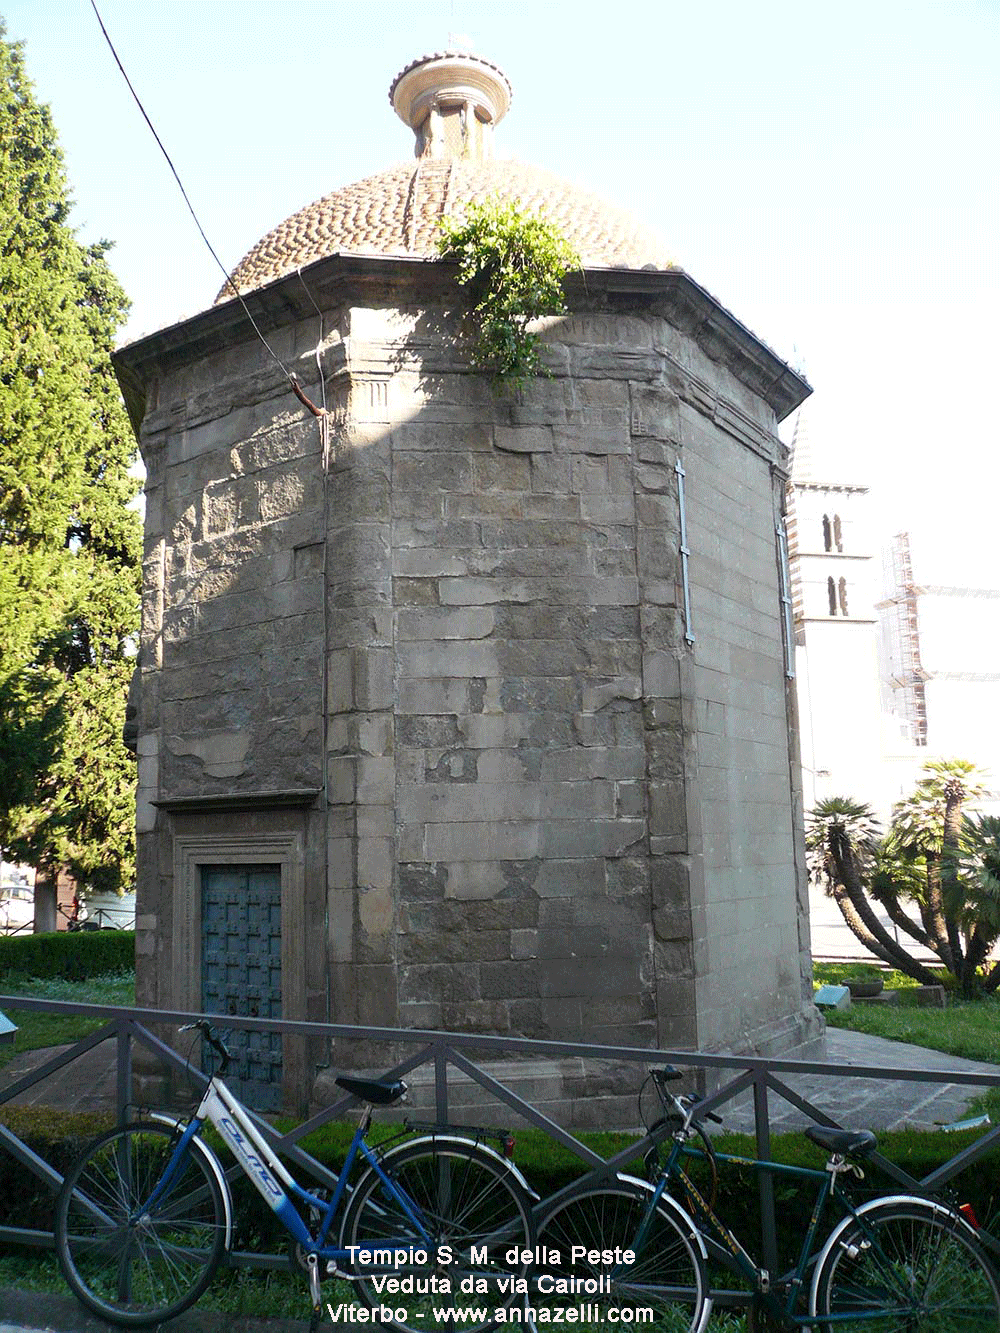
<point>907,680</point>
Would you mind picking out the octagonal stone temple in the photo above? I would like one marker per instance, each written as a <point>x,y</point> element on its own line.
<point>464,710</point>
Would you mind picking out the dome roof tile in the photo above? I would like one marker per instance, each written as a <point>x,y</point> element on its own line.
<point>396,212</point>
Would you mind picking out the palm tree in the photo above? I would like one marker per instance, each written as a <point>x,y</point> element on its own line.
<point>843,838</point>
<point>980,869</point>
<point>924,844</point>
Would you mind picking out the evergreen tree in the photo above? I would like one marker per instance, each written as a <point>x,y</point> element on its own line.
<point>69,543</point>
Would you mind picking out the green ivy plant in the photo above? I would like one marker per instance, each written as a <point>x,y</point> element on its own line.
<point>512,267</point>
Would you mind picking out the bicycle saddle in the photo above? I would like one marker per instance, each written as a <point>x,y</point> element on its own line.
<point>849,1142</point>
<point>373,1090</point>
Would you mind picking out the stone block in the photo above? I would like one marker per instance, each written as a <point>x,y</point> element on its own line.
<point>833,997</point>
<point>340,924</point>
<point>341,780</point>
<point>570,591</point>
<point>578,978</point>
<point>593,438</point>
<point>667,808</point>
<point>587,838</point>
<point>415,592</point>
<point>340,681</point>
<point>451,658</point>
<point>524,439</point>
<point>422,562</point>
<point>482,841</point>
<point>375,733</point>
<point>514,980</point>
<point>607,508</point>
<point>340,863</point>
<point>376,780</point>
<point>475,880</point>
<point>550,475</point>
<point>438,983</point>
<point>467,802</point>
<point>466,623</point>
<point>377,993</point>
<point>427,696</point>
<point>523,944</point>
<point>434,437</point>
<point>373,679</point>
<point>431,473</point>
<point>376,857</point>
<point>655,412</point>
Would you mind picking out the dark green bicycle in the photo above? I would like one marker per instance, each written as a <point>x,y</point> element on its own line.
<point>625,1251</point>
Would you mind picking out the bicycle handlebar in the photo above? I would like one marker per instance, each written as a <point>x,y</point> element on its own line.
<point>217,1044</point>
<point>686,1104</point>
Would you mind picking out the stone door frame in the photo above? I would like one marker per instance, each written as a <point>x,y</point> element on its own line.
<point>191,852</point>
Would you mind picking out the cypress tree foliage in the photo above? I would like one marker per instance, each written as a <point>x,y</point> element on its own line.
<point>69,545</point>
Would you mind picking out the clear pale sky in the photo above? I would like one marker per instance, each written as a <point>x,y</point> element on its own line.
<point>829,172</point>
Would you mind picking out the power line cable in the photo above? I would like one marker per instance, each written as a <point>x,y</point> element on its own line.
<point>292,379</point>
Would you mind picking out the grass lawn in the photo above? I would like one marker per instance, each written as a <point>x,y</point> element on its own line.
<point>246,1292</point>
<point>969,1029</point>
<point>36,1030</point>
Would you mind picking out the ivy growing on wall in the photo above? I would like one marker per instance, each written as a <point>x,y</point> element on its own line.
<point>512,267</point>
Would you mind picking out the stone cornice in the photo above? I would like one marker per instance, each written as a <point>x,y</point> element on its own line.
<point>340,278</point>
<point>300,799</point>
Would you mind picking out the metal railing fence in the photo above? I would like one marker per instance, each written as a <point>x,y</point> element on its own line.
<point>444,1051</point>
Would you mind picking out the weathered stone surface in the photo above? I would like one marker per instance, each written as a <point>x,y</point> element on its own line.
<point>545,810</point>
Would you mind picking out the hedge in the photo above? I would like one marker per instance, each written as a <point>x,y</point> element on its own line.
<point>59,1136</point>
<point>74,955</point>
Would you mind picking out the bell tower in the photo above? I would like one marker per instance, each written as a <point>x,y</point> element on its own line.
<point>834,575</point>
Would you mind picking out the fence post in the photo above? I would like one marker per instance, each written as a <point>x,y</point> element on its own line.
<point>440,1084</point>
<point>123,1088</point>
<point>765,1181</point>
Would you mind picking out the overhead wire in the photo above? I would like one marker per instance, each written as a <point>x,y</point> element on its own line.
<point>289,375</point>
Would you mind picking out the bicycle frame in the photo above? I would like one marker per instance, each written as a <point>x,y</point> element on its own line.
<point>219,1107</point>
<point>725,1246</point>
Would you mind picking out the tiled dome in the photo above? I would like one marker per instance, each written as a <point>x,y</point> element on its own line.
<point>452,101</point>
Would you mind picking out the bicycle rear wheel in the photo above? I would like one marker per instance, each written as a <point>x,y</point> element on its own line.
<point>445,1245</point>
<point>906,1266</point>
<point>131,1265</point>
<point>580,1269</point>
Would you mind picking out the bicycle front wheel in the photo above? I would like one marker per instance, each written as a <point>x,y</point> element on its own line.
<point>448,1234</point>
<point>128,1263</point>
<point>912,1267</point>
<point>585,1245</point>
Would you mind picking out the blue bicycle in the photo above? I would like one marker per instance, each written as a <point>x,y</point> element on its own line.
<point>145,1217</point>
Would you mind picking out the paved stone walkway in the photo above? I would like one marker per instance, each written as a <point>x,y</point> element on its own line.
<point>864,1101</point>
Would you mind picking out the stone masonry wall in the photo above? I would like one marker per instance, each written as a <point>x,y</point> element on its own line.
<point>542,808</point>
<point>233,619</point>
<point>527,785</point>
